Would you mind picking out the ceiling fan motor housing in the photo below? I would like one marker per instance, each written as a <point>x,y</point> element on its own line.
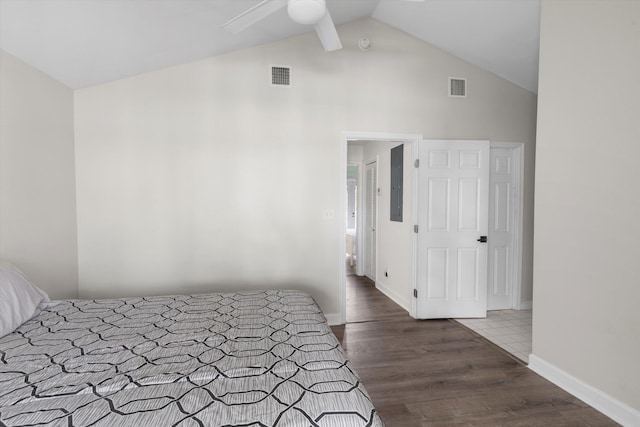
<point>306,12</point>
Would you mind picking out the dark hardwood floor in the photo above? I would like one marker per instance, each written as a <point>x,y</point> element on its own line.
<point>438,373</point>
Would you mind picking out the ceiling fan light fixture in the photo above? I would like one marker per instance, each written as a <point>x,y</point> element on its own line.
<point>306,12</point>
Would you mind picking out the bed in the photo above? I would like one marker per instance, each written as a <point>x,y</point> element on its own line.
<point>265,358</point>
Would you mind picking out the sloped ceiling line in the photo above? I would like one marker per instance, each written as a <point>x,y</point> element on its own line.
<point>89,42</point>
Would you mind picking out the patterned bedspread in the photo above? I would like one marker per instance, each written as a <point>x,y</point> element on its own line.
<point>239,359</point>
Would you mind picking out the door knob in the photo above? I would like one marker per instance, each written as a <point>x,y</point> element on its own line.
<point>482,239</point>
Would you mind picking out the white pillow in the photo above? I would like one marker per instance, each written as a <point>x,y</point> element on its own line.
<point>20,299</point>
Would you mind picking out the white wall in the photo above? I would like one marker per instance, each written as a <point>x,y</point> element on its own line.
<point>587,233</point>
<point>37,179</point>
<point>203,177</point>
<point>354,154</point>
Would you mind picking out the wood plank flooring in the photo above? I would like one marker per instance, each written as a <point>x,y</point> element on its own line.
<point>438,373</point>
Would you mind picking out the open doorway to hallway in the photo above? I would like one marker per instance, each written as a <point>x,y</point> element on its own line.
<point>382,248</point>
<point>362,194</point>
<point>395,259</point>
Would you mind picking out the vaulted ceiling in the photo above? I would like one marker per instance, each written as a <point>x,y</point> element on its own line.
<point>83,43</point>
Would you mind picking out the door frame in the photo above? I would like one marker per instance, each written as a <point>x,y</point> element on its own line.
<point>518,220</point>
<point>361,269</point>
<point>347,136</point>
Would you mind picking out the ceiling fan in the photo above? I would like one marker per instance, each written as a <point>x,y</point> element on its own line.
<point>306,12</point>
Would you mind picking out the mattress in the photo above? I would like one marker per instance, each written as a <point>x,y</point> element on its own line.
<point>264,358</point>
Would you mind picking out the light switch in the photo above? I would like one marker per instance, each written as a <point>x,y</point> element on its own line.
<point>329,214</point>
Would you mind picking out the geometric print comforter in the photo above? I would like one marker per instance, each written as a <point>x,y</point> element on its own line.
<point>265,358</point>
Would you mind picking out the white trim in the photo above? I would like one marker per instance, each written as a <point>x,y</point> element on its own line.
<point>347,136</point>
<point>342,244</point>
<point>414,253</point>
<point>379,136</point>
<point>402,301</point>
<point>611,407</point>
<point>365,194</point>
<point>360,218</point>
<point>334,319</point>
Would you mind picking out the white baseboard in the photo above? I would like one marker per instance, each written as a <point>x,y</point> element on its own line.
<point>393,295</point>
<point>334,319</point>
<point>611,407</point>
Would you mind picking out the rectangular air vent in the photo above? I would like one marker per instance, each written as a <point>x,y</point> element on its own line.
<point>280,75</point>
<point>457,87</point>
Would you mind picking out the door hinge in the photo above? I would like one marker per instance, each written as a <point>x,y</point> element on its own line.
<point>416,163</point>
<point>415,293</point>
<point>415,228</point>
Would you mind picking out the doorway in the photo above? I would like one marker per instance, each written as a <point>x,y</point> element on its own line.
<point>505,226</point>
<point>509,322</point>
<point>412,140</point>
<point>360,148</point>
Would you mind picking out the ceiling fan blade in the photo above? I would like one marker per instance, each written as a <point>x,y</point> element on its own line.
<point>253,15</point>
<point>327,33</point>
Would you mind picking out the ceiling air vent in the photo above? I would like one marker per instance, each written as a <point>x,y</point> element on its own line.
<point>280,75</point>
<point>457,87</point>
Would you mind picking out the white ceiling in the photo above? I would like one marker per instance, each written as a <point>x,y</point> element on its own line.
<point>83,43</point>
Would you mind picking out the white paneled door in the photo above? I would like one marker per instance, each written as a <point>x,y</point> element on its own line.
<point>453,202</point>
<point>370,219</point>
<point>502,209</point>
